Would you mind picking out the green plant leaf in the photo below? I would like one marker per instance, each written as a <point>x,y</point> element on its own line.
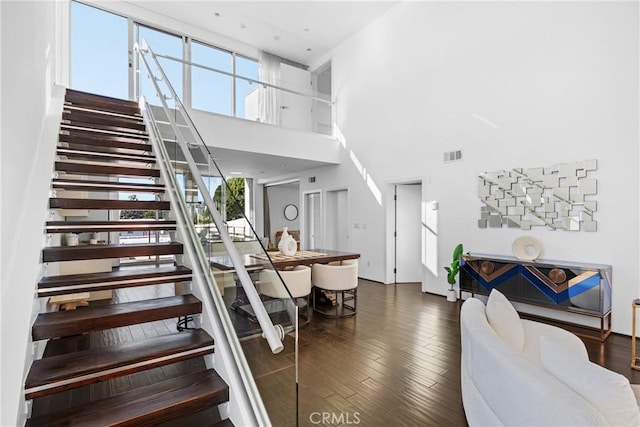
<point>457,252</point>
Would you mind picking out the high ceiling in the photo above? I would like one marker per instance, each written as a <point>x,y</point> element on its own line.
<point>302,31</point>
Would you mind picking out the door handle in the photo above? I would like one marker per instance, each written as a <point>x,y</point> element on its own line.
<point>284,107</point>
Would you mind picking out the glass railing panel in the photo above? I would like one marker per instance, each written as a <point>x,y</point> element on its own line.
<point>288,100</point>
<point>238,261</point>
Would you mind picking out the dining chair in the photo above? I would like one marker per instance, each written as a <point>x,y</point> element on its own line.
<point>297,281</point>
<point>340,279</point>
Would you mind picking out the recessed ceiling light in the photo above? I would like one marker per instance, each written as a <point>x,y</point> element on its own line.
<point>282,165</point>
<point>236,173</point>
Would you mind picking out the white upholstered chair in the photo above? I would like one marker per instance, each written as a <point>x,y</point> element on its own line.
<point>343,281</point>
<point>297,281</point>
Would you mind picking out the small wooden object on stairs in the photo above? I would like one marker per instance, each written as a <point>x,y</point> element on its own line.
<point>71,301</point>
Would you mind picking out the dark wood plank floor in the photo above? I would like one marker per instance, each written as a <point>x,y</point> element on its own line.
<point>396,363</point>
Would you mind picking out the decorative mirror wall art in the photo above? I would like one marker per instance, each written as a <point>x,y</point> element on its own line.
<point>561,196</point>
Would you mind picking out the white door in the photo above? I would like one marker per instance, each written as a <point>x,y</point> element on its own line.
<point>337,220</point>
<point>312,221</point>
<point>295,110</point>
<point>408,233</point>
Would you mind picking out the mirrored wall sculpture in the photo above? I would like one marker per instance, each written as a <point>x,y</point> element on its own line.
<point>561,196</point>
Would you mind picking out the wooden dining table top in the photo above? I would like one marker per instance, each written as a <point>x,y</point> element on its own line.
<point>280,261</point>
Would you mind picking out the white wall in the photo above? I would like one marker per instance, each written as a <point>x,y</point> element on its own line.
<point>512,84</point>
<point>244,135</point>
<point>26,161</point>
<point>279,197</point>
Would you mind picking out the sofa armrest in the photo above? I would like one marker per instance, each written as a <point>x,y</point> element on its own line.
<point>558,336</point>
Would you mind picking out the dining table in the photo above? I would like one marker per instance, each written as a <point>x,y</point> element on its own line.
<point>253,263</point>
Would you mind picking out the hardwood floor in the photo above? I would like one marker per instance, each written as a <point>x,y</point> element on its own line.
<point>396,363</point>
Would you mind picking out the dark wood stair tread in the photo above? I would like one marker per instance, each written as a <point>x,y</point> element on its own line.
<point>134,205</point>
<point>102,118</point>
<point>93,185</point>
<point>71,153</point>
<point>97,226</point>
<point>101,102</point>
<point>89,110</point>
<point>108,143</point>
<point>147,406</point>
<point>91,130</point>
<point>83,252</point>
<point>96,318</point>
<point>62,372</point>
<point>223,423</point>
<point>98,169</point>
<point>134,131</point>
<point>120,278</point>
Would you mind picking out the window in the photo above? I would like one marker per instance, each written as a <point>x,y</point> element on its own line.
<point>210,90</point>
<point>216,91</point>
<point>99,51</point>
<point>245,67</point>
<point>162,44</point>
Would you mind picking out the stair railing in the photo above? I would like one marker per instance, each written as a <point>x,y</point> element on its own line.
<point>238,375</point>
<point>271,333</point>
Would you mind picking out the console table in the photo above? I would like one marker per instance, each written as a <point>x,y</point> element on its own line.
<point>577,288</point>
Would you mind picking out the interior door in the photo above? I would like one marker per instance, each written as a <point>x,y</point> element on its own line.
<point>337,220</point>
<point>312,221</point>
<point>295,110</point>
<point>408,233</point>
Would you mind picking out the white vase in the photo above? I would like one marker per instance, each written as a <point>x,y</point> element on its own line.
<point>452,295</point>
<point>288,245</point>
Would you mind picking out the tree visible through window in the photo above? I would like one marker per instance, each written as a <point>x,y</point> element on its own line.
<point>235,198</point>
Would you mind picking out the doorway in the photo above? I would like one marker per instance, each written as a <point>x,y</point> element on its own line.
<point>312,227</point>
<point>337,220</point>
<point>408,233</point>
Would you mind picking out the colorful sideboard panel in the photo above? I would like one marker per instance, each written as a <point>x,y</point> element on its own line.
<point>583,288</point>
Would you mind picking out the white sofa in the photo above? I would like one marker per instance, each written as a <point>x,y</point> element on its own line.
<point>523,373</point>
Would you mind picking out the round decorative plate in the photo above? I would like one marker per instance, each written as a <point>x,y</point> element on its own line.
<point>526,248</point>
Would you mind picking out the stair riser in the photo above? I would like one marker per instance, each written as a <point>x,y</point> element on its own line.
<point>64,329</point>
<point>104,286</point>
<point>71,383</point>
<point>76,253</point>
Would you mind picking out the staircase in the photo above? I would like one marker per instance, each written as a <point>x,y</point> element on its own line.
<point>101,139</point>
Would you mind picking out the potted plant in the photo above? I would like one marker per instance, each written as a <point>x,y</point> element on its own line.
<point>452,272</point>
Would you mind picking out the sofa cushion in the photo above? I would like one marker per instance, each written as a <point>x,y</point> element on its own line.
<point>609,392</point>
<point>504,320</point>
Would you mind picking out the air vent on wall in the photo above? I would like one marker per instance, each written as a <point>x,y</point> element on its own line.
<point>453,156</point>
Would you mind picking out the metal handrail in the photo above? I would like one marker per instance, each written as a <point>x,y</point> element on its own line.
<point>239,375</point>
<point>274,335</point>
<point>250,80</point>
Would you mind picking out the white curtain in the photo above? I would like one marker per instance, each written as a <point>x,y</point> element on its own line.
<point>269,97</point>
